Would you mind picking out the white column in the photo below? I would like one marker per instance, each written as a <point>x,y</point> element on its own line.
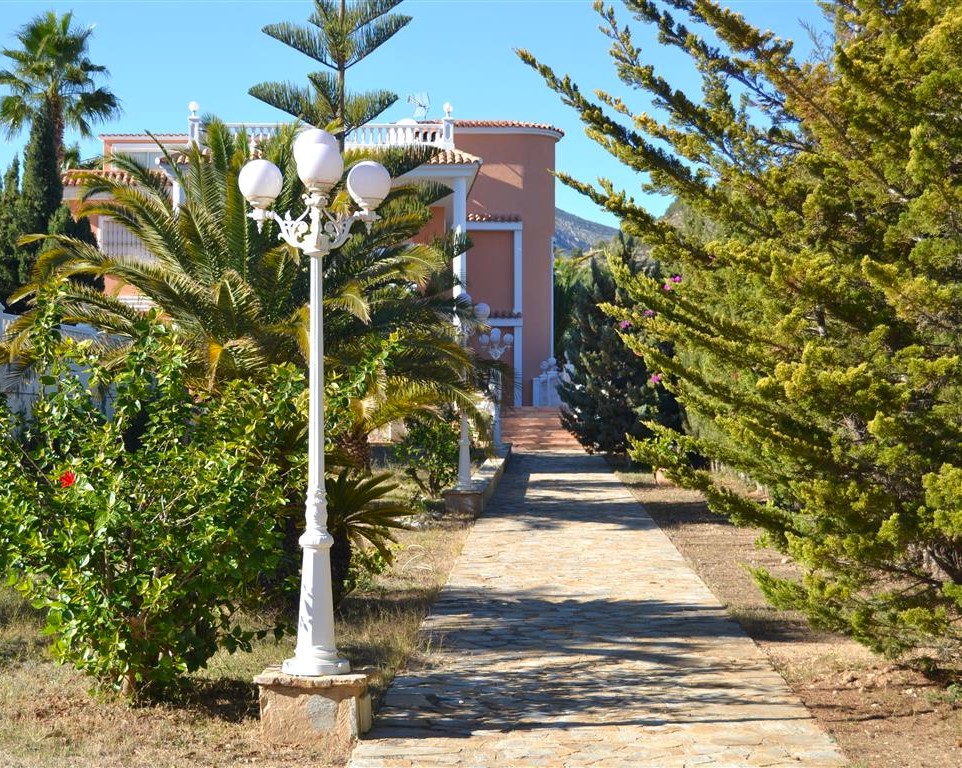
<point>518,272</point>
<point>316,653</point>
<point>551,294</point>
<point>176,193</point>
<point>193,124</point>
<point>447,128</point>
<point>518,368</point>
<point>459,224</point>
<point>464,454</point>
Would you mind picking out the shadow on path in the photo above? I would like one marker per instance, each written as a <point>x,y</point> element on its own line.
<point>570,647</point>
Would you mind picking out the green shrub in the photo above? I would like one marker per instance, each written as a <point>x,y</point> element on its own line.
<point>429,452</point>
<point>141,533</point>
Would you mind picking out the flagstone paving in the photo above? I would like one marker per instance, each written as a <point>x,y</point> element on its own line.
<point>572,633</point>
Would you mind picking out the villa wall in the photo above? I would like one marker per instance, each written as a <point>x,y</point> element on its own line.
<point>510,207</point>
<point>516,179</point>
<point>491,268</point>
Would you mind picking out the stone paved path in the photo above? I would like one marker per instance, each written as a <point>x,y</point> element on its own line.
<point>572,633</point>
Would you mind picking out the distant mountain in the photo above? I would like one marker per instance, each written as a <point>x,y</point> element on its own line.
<point>572,231</point>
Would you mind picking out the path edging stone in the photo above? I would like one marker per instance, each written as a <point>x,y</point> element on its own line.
<point>484,483</point>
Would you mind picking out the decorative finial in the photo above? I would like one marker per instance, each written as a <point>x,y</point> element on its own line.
<point>448,109</point>
<point>193,125</point>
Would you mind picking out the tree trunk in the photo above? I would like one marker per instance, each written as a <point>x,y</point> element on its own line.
<point>341,93</point>
<point>357,447</point>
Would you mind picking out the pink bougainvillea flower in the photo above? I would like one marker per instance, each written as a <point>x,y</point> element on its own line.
<point>675,278</point>
<point>67,479</point>
<point>649,313</point>
<point>666,287</point>
<point>624,325</point>
<point>655,378</point>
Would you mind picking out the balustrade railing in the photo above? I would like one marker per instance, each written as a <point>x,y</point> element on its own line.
<point>256,131</point>
<point>439,135</point>
<point>114,240</point>
<point>403,134</point>
<point>21,389</point>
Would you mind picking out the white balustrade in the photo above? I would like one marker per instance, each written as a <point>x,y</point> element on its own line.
<point>544,388</point>
<point>400,135</point>
<point>372,135</point>
<point>114,240</point>
<point>256,131</point>
<point>22,390</point>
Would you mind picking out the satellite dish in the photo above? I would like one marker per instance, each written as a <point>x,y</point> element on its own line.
<point>421,102</point>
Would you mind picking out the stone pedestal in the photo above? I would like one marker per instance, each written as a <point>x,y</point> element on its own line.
<point>328,712</point>
<point>471,500</point>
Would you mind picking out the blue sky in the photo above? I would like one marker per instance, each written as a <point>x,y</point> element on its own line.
<point>163,54</point>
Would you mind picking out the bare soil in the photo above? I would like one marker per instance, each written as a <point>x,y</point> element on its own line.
<point>882,714</point>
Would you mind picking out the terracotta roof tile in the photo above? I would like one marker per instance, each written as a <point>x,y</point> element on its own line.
<point>77,178</point>
<point>504,313</point>
<point>505,124</point>
<point>493,217</point>
<point>180,157</point>
<point>454,157</point>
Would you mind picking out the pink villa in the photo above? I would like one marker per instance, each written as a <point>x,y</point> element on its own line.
<point>501,176</point>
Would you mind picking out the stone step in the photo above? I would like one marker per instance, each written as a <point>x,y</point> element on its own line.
<point>534,429</point>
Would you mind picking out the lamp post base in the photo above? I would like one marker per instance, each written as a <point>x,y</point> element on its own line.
<point>318,667</point>
<point>328,712</point>
<point>315,654</point>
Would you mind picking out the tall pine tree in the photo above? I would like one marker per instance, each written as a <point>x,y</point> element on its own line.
<point>340,35</point>
<point>817,330</point>
<point>609,393</point>
<point>569,274</point>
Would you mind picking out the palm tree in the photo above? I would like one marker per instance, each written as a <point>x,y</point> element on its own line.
<point>239,299</point>
<point>51,67</point>
<point>235,297</point>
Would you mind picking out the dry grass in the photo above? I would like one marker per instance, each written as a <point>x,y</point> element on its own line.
<point>50,717</point>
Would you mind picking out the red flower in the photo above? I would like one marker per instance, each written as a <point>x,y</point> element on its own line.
<point>67,479</point>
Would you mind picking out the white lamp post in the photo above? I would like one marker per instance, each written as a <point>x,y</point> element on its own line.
<point>496,344</point>
<point>316,232</point>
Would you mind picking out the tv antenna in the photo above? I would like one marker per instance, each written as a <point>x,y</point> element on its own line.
<point>421,102</point>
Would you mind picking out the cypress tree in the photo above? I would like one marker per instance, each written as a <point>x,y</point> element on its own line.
<point>339,36</point>
<point>41,193</point>
<point>42,190</point>
<point>817,328</point>
<point>9,231</point>
<point>609,392</point>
